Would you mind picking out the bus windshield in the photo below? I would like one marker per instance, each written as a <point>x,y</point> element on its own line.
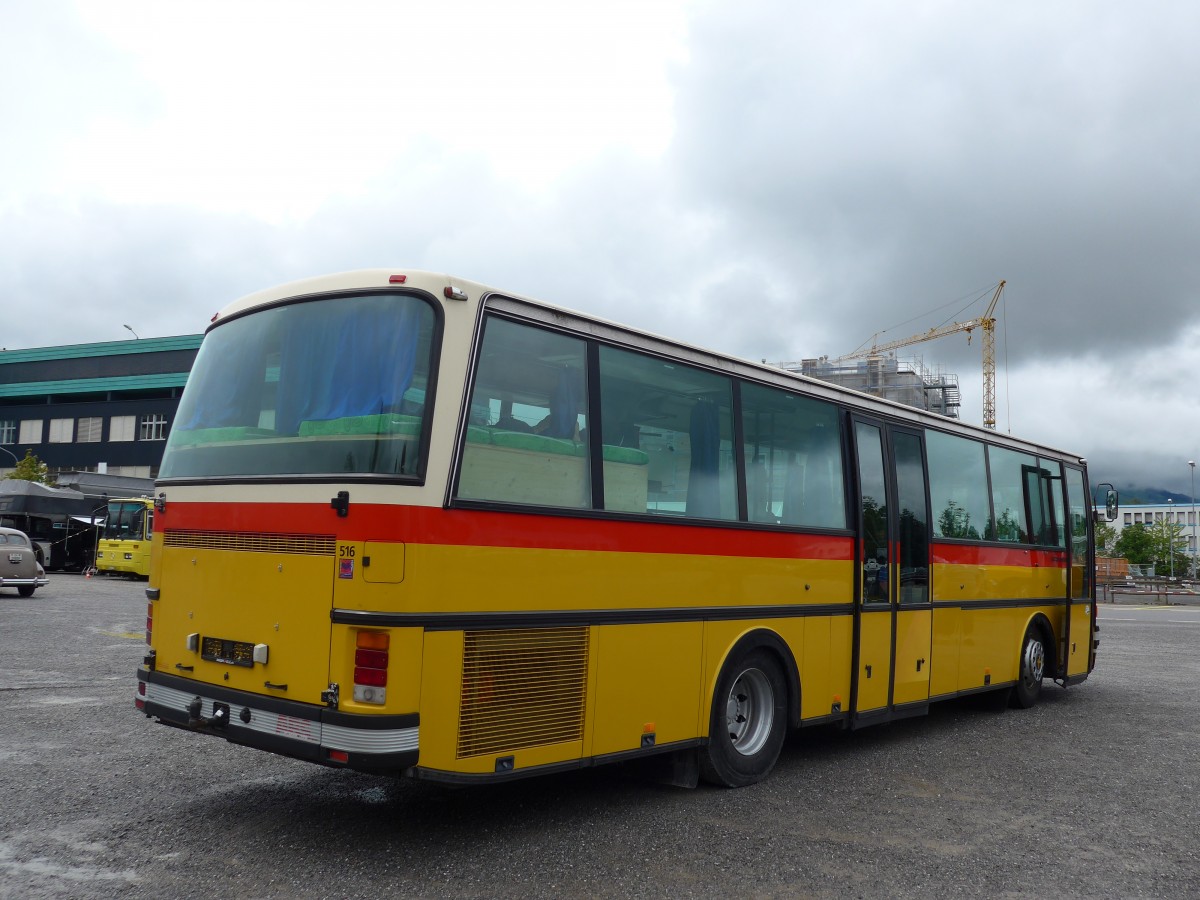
<point>319,387</point>
<point>125,520</point>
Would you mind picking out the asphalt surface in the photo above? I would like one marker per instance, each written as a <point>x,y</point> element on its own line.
<point>1092,793</point>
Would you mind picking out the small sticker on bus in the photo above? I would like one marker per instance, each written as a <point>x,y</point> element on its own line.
<point>345,568</point>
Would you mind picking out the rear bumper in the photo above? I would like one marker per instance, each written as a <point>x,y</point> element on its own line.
<point>300,730</point>
<point>39,581</point>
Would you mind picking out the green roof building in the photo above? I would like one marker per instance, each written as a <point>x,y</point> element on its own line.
<point>105,407</point>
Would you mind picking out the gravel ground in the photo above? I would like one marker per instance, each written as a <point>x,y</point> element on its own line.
<point>1089,794</point>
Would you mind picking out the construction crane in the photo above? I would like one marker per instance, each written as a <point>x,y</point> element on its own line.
<point>986,322</point>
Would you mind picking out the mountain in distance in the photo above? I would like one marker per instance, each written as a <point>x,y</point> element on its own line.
<point>1133,495</point>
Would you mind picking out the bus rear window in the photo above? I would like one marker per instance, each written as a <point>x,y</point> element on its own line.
<point>326,387</point>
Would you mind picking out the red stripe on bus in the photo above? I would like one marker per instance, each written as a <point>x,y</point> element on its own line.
<point>961,555</point>
<point>429,525</point>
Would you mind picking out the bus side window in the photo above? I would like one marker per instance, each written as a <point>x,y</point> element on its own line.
<point>1078,511</point>
<point>1054,485</point>
<point>793,458</point>
<point>525,440</point>
<point>668,432</point>
<point>1016,495</point>
<point>1042,484</point>
<point>958,487</point>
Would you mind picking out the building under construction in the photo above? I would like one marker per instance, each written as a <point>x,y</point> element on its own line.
<point>906,381</point>
<point>878,372</point>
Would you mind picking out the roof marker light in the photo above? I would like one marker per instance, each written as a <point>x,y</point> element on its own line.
<point>397,279</point>
<point>453,293</point>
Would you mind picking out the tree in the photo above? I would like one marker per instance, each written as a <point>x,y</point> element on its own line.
<point>1008,528</point>
<point>1170,546</point>
<point>1146,545</point>
<point>31,469</point>
<point>955,521</point>
<point>1106,537</point>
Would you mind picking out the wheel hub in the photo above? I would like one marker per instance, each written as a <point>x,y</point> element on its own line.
<point>1034,662</point>
<point>749,712</point>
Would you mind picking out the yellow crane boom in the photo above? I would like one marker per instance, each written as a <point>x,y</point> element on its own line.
<point>986,322</point>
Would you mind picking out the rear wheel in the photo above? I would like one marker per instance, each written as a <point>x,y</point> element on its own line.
<point>26,590</point>
<point>1033,667</point>
<point>748,721</point>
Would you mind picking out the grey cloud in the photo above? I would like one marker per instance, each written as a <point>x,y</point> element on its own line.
<point>914,156</point>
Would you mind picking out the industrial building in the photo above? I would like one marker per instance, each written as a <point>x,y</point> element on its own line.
<point>104,408</point>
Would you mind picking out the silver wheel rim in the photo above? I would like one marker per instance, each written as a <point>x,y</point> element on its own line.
<point>1033,662</point>
<point>750,712</point>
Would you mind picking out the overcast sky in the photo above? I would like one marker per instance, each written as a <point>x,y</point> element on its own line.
<point>776,180</point>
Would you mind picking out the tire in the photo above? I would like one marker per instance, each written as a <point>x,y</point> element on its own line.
<point>26,590</point>
<point>1031,669</point>
<point>748,723</point>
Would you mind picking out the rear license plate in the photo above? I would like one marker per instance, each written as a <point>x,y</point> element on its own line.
<point>234,653</point>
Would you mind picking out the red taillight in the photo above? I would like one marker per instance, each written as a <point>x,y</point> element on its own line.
<point>372,659</point>
<point>149,621</point>
<point>370,677</point>
<point>370,666</point>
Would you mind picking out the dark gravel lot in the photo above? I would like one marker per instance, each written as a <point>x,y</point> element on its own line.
<point>1090,794</point>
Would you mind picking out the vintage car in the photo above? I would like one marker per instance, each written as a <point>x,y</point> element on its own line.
<point>19,567</point>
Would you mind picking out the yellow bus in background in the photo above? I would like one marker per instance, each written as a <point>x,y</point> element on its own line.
<point>123,542</point>
<point>410,523</point>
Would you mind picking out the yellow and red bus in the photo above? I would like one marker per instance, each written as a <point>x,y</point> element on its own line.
<point>411,523</point>
<point>123,542</point>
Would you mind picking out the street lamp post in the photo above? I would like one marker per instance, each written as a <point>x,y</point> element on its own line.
<point>1171,532</point>
<point>10,453</point>
<point>1192,467</point>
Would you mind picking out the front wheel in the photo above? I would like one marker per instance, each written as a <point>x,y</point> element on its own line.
<point>749,718</point>
<point>1033,667</point>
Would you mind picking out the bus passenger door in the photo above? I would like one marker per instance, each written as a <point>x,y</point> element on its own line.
<point>1077,648</point>
<point>893,615</point>
<point>914,602</point>
<point>874,618</point>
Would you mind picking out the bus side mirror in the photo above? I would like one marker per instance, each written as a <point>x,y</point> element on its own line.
<point>1110,503</point>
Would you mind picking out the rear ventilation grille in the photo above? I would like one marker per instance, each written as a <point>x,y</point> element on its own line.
<point>522,688</point>
<point>253,542</point>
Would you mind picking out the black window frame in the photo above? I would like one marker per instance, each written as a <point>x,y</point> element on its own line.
<point>595,432</point>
